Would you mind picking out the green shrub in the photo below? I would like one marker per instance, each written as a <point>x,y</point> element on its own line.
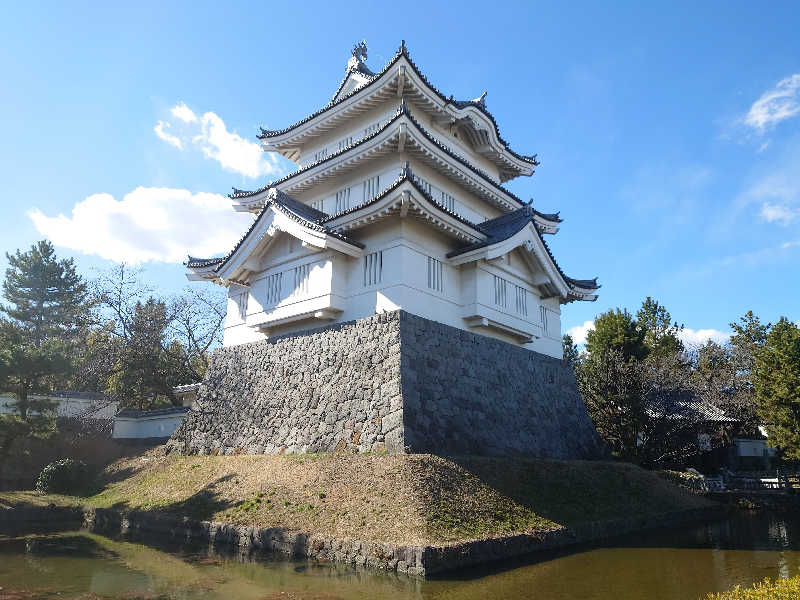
<point>65,476</point>
<point>782,589</point>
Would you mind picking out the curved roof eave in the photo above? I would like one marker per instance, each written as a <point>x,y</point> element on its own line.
<point>549,220</point>
<point>402,53</point>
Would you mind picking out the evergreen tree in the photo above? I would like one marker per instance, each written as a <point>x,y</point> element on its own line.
<point>617,330</point>
<point>46,301</point>
<point>776,376</point>
<point>570,350</point>
<point>46,296</point>
<point>661,334</point>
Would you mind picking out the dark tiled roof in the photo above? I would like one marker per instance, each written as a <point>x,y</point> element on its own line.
<point>403,51</point>
<point>297,211</point>
<point>197,263</point>
<point>138,414</point>
<point>402,109</point>
<point>77,395</point>
<point>506,226</point>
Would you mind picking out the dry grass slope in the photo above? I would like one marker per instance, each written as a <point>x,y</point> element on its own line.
<point>403,499</point>
<point>782,589</point>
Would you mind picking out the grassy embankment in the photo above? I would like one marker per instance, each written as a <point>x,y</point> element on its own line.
<point>782,589</point>
<point>402,499</point>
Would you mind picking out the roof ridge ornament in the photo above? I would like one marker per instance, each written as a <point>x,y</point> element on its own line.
<point>359,56</point>
<point>481,100</point>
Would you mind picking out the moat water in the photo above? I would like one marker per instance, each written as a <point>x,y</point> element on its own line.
<point>681,563</point>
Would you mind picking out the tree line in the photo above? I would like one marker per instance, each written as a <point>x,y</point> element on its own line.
<point>655,401</point>
<point>113,334</point>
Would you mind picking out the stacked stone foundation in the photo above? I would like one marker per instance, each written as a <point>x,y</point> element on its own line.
<point>392,382</point>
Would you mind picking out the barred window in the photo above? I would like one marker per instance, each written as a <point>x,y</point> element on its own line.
<point>301,280</point>
<point>522,301</point>
<point>371,187</point>
<point>320,154</point>
<point>318,204</point>
<point>500,295</point>
<point>342,199</point>
<point>273,283</point>
<point>425,185</point>
<point>372,128</point>
<point>373,268</point>
<point>449,202</point>
<point>242,304</point>
<point>348,141</point>
<point>543,314</point>
<point>435,274</point>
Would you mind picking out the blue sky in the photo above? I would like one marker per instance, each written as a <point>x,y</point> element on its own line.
<point>669,135</point>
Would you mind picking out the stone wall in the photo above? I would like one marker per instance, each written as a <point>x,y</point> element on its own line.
<point>393,382</point>
<point>317,392</point>
<point>465,393</point>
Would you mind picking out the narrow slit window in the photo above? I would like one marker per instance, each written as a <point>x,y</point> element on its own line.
<point>320,154</point>
<point>274,289</point>
<point>448,202</point>
<point>522,301</point>
<point>343,200</point>
<point>243,298</point>
<point>435,273</point>
<point>500,295</point>
<point>348,141</point>
<point>371,187</point>
<point>373,268</point>
<point>301,280</point>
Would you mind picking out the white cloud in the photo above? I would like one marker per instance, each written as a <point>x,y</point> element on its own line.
<point>698,337</point>
<point>578,333</point>
<point>148,224</point>
<point>184,113</point>
<point>790,244</point>
<point>777,213</point>
<point>160,130</point>
<point>210,134</point>
<point>775,105</point>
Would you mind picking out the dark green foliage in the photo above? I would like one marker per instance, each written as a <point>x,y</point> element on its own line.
<point>776,376</point>
<point>46,296</point>
<point>571,353</point>
<point>65,476</point>
<point>617,330</point>
<point>46,304</point>
<point>661,334</point>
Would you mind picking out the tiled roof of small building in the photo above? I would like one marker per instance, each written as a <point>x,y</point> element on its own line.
<point>138,414</point>
<point>403,51</point>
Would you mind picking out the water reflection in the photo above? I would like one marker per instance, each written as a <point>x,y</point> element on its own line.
<point>675,564</point>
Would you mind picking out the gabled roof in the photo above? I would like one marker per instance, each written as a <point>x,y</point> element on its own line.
<point>309,218</point>
<point>459,106</point>
<point>505,227</point>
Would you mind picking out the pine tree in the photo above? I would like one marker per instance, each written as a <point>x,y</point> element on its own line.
<point>776,376</point>
<point>661,334</point>
<point>46,296</point>
<point>46,301</point>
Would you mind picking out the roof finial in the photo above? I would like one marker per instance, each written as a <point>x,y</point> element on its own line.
<point>481,99</point>
<point>359,55</point>
<point>402,46</point>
